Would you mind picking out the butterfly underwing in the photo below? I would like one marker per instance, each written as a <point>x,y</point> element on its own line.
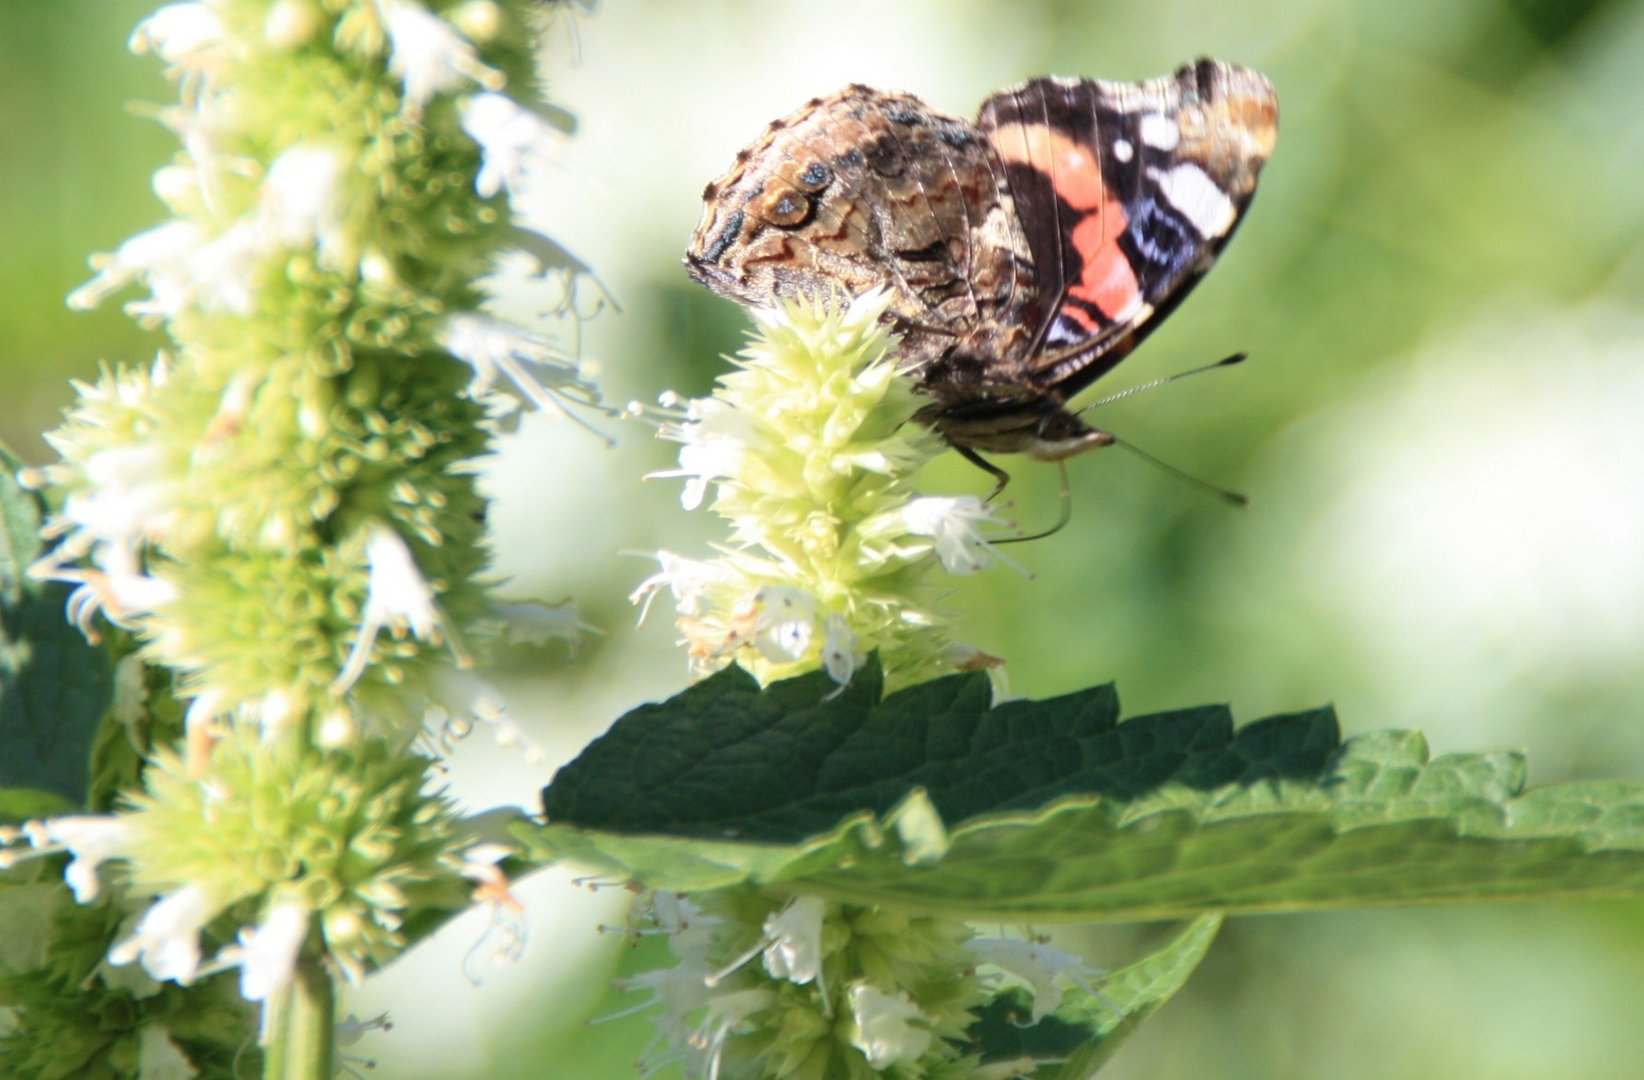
<point>1024,254</point>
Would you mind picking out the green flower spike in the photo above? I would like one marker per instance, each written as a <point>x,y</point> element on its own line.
<point>810,447</point>
<point>283,508</point>
<point>809,990</point>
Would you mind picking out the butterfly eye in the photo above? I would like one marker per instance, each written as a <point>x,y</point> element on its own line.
<point>815,177</point>
<point>786,208</point>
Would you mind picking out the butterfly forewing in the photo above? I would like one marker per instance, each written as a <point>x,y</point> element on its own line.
<point>1129,191</point>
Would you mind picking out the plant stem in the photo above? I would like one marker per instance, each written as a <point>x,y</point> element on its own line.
<point>300,1026</point>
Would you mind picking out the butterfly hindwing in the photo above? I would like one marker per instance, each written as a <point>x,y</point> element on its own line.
<point>863,190</point>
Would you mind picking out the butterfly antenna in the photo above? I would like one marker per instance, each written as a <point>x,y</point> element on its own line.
<point>1232,498</point>
<point>1062,519</point>
<point>1228,361</point>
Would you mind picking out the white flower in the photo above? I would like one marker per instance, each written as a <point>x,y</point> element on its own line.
<point>291,23</point>
<point>689,929</point>
<point>127,590</point>
<point>703,462</point>
<point>680,992</point>
<point>1039,967</point>
<point>116,586</point>
<point>338,727</point>
<point>727,1015</point>
<point>187,35</point>
<point>221,274</point>
<point>180,266</point>
<point>840,656</point>
<point>162,251</point>
<point>271,712</point>
<point>492,347</point>
<point>119,598</point>
<point>429,55</point>
<point>509,137</point>
<point>794,942</point>
<point>532,622</point>
<point>479,20</point>
<point>489,710</point>
<point>167,940</point>
<point>951,521</point>
<point>201,129</point>
<point>127,496</point>
<point>690,581</point>
<point>717,438</point>
<point>480,864</point>
<point>889,1027</point>
<point>93,839</point>
<point>398,597</point>
<point>351,1029</point>
<point>120,498</point>
<point>691,934</point>
<point>268,954</point>
<point>785,622</point>
<point>176,183</point>
<point>299,202</point>
<point>200,728</point>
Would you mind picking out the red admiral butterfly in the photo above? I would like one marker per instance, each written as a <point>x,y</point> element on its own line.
<point>1025,254</point>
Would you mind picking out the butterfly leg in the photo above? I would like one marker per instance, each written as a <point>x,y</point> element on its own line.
<point>1000,476</point>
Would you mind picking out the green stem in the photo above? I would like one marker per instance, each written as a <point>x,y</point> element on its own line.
<point>301,1023</point>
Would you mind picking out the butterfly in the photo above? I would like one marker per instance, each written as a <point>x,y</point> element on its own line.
<point>1025,255</point>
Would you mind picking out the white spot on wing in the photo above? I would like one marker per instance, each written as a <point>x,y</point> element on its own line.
<point>1159,132</point>
<point>1197,198</point>
<point>1063,332</point>
<point>1123,150</point>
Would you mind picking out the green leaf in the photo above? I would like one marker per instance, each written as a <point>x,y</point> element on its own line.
<point>1136,992</point>
<point>54,685</point>
<point>20,514</point>
<point>1080,1036</point>
<point>1002,1031</point>
<point>26,911</point>
<point>21,804</point>
<point>1033,811</point>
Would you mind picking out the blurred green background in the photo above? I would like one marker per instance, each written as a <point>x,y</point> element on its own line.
<point>1441,430</point>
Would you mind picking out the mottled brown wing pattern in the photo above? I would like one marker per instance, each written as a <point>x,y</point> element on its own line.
<point>866,190</point>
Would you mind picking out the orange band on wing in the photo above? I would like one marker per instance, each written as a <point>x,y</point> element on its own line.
<point>1106,278</point>
<point>1072,169</point>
